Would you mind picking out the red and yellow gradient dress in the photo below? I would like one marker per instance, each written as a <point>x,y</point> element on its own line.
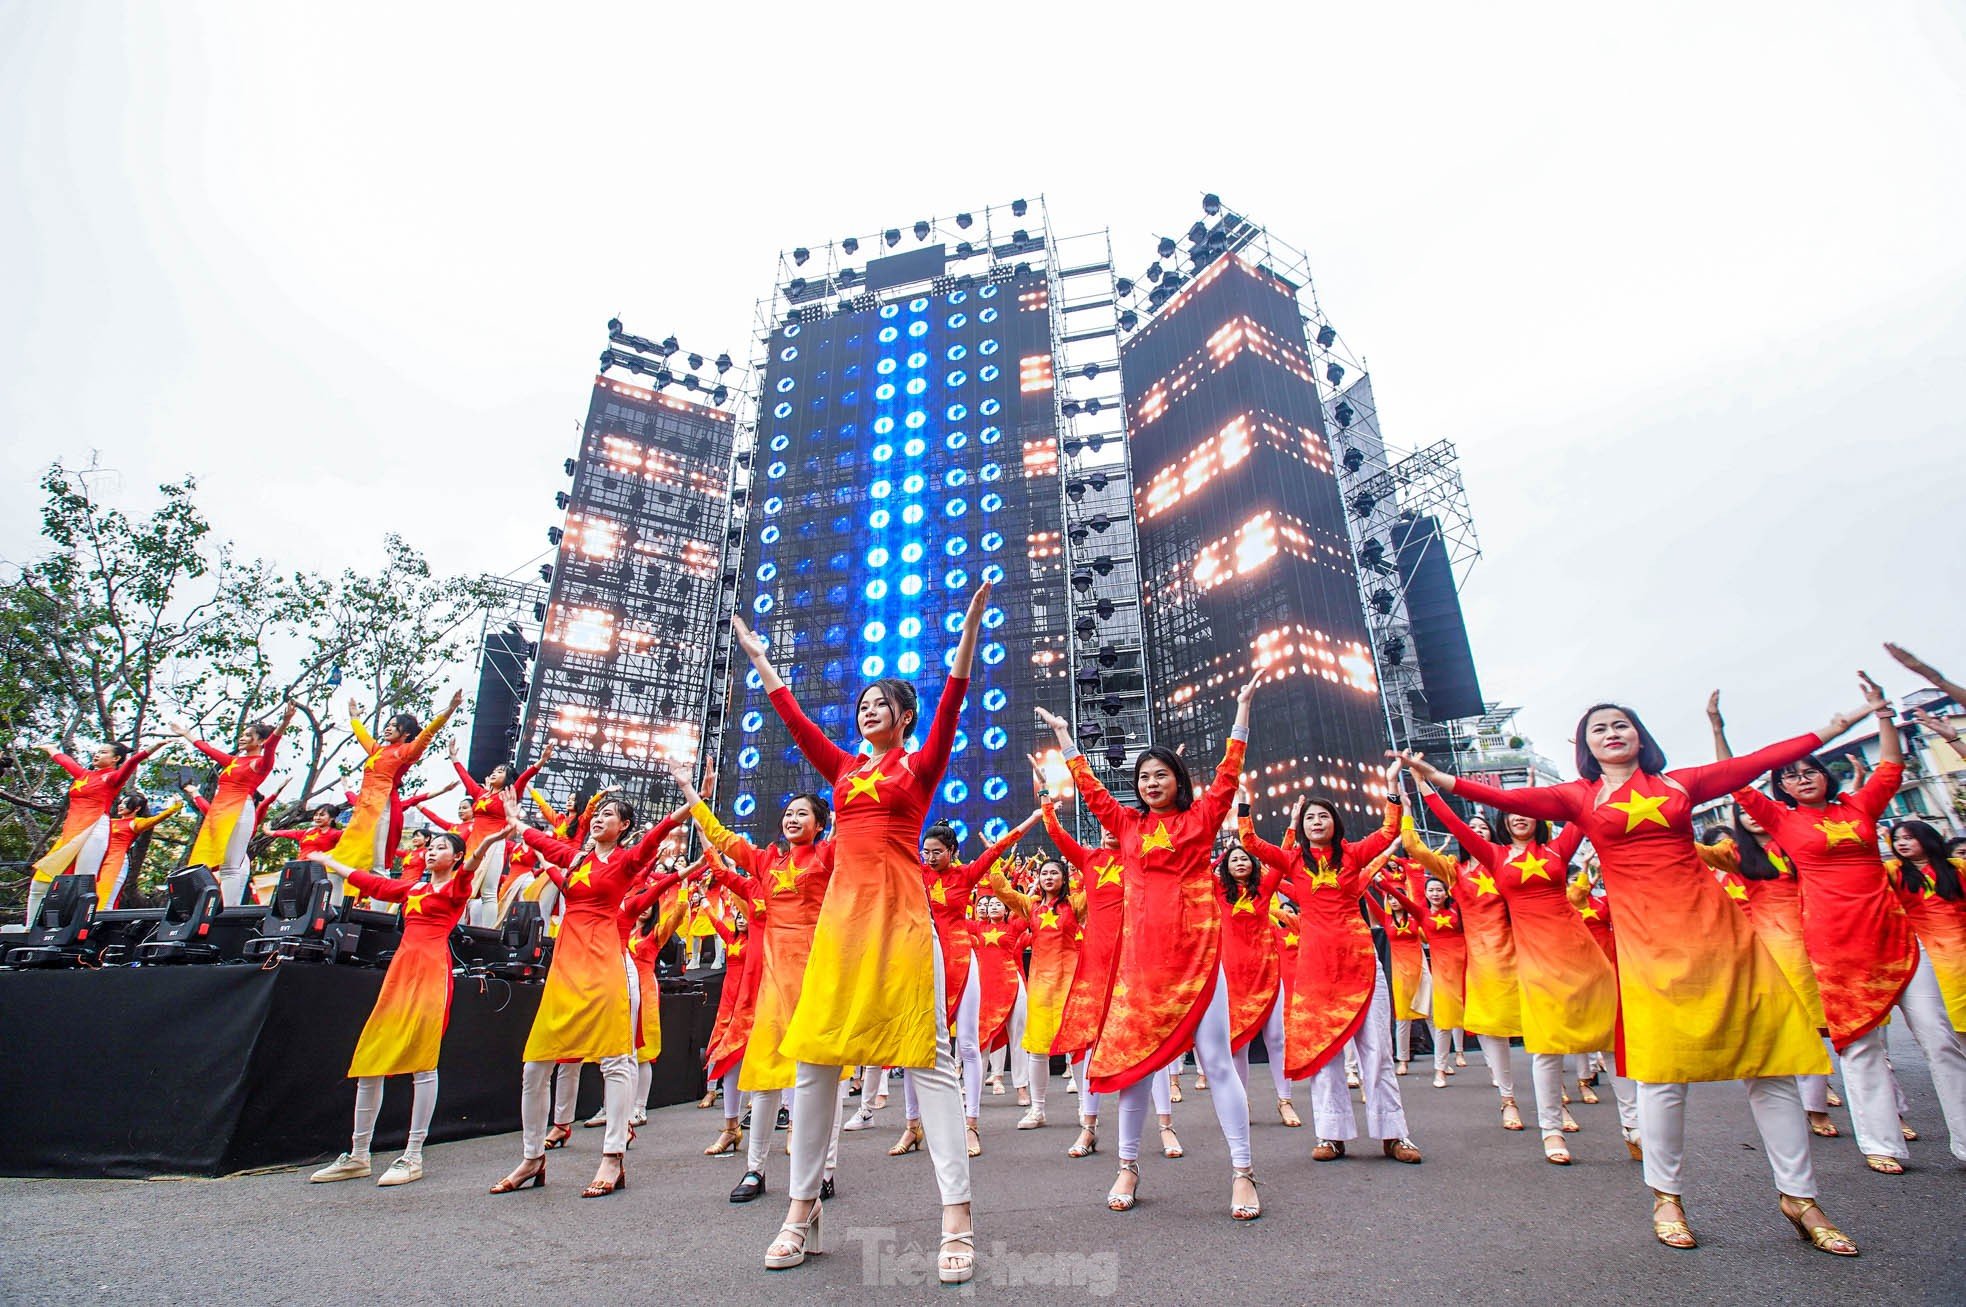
<point>1055,931</point>
<point>91,796</point>
<point>1567,990</point>
<point>1447,950</point>
<point>950,894</point>
<point>1405,951</point>
<point>871,996</point>
<point>1289,940</point>
<point>375,824</point>
<point>1491,990</point>
<point>737,1006</point>
<point>1700,996</point>
<point>644,946</point>
<point>406,1030</point>
<point>999,947</point>
<point>488,814</point>
<point>1853,930</point>
<point>1774,908</point>
<point>1593,907</point>
<point>1941,927</point>
<point>232,815</point>
<point>785,888</point>
<point>1249,954</point>
<point>123,832</point>
<point>1171,936</point>
<point>1331,991</point>
<point>584,1012</point>
<point>1102,883</point>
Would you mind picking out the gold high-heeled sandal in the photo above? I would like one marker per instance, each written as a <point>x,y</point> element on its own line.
<point>1673,1234</point>
<point>727,1142</point>
<point>1511,1118</point>
<point>910,1141</point>
<point>1825,1237</point>
<point>975,1141</point>
<point>1287,1111</point>
<point>1585,1092</point>
<point>1884,1164</point>
<point>1244,1211</point>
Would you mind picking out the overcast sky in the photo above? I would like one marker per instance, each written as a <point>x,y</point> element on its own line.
<point>1683,282</point>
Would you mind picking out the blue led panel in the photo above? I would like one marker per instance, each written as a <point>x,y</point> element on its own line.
<point>906,453</point>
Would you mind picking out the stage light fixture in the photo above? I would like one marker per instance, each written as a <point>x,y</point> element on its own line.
<point>892,236</point>
<point>1129,320</point>
<point>1327,335</point>
<point>1154,271</point>
<point>1124,286</point>
<point>1334,373</point>
<point>724,363</point>
<point>1105,609</point>
<point>1018,208</point>
<point>794,286</point>
<point>1103,565</point>
<point>1085,626</point>
<point>1363,503</point>
<point>1382,601</point>
<point>1372,553</point>
<point>1394,649</point>
<point>696,361</point>
<point>1354,459</point>
<point>1092,733</point>
<point>1070,408</point>
<point>1211,204</point>
<point>546,573</point>
<point>669,346</point>
<point>1088,678</point>
<point>963,220</point>
<point>964,250</point>
<point>1111,705</point>
<point>539,612</point>
<point>1081,579</point>
<point>1072,446</point>
<point>567,465</point>
<point>921,231</point>
<point>800,255</point>
<point>1096,441</point>
<point>607,359</point>
<point>1344,413</point>
<point>554,535</point>
<point>1109,656</point>
<point>1166,248</point>
<point>850,245</point>
<point>561,500</point>
<point>689,379</point>
<point>1075,490</point>
<point>1116,755</point>
<point>720,394</point>
<point>1198,233</point>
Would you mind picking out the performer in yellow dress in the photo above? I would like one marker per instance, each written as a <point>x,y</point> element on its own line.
<point>374,826</point>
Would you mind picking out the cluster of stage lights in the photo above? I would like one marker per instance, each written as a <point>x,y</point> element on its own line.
<point>922,229</point>
<point>902,410</point>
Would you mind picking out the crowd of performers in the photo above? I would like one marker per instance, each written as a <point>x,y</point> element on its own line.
<point>862,943</point>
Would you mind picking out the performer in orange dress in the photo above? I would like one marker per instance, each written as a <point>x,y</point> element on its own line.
<point>1568,993</point>
<point>84,836</point>
<point>1700,996</point>
<point>405,1031</point>
<point>375,822</point>
<point>1934,1003</point>
<point>132,820</point>
<point>784,886</point>
<point>730,1031</point>
<point>1439,919</point>
<point>488,805</point>
<point>1406,948</point>
<point>231,819</point>
<point>590,1010</point>
<point>1169,992</point>
<point>1052,911</point>
<point>652,915</point>
<point>1253,965</point>
<point>877,996</point>
<point>999,943</point>
<point>951,888</point>
<point>1339,995</point>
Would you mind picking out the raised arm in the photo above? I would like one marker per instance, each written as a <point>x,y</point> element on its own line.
<point>550,847</point>
<point>986,862</point>
<point>1270,855</point>
<point>1489,854</point>
<point>470,783</point>
<point>360,730</point>
<point>1020,904</point>
<point>1098,801</point>
<point>142,824</point>
<point>1074,852</point>
<point>75,769</point>
<point>1550,803</point>
<point>1918,666</point>
<point>934,755</point>
<point>1721,749</point>
<point>441,823</point>
<point>1429,858</point>
<point>1568,841</point>
<point>1722,855</point>
<point>525,778</point>
<point>429,733</point>
<point>642,899</point>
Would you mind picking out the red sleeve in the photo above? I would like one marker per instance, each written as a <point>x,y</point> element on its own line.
<point>1098,800</point>
<point>1075,853</point>
<point>933,757</point>
<point>1489,854</point>
<point>1549,802</point>
<point>525,779</point>
<point>551,848</point>
<point>121,776</point>
<point>1361,851</point>
<point>471,787</point>
<point>970,873</point>
<point>434,819</point>
<point>1400,896</point>
<point>1270,855</point>
<point>725,933</point>
<point>1768,813</point>
<point>737,882</point>
<point>1220,796</point>
<point>271,752</point>
<point>201,803</point>
<point>69,765</point>
<point>1568,841</point>
<point>1717,778</point>
<point>217,755</point>
<point>643,899</point>
<point>1267,886</point>
<point>285,834</point>
<point>1875,795</point>
<point>827,757</point>
<point>387,888</point>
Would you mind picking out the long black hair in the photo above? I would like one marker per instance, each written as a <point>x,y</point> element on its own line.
<point>621,806</point>
<point>1231,888</point>
<point>1498,829</point>
<point>1488,819</point>
<point>1064,894</point>
<point>1184,784</point>
<point>1337,825</point>
<point>139,850</point>
<point>1755,864</point>
<point>901,700</point>
<point>1651,758</point>
<point>406,725</point>
<point>1781,794</point>
<point>945,835</point>
<point>1945,876</point>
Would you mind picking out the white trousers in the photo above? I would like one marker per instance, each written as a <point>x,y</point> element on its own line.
<point>368,1104</point>
<point>941,1105</point>
<point>1331,1101</point>
<point>1160,1089</point>
<point>1273,1046</point>
<point>733,1096</point>
<point>1446,1044</point>
<point>969,1011</point>
<point>1924,1011</point>
<point>1020,1012</point>
<point>484,908</point>
<point>235,873</point>
<point>1402,1041</point>
<point>1870,1092</point>
<point>1496,1053</point>
<point>1778,1116</point>
<point>618,1078</point>
<point>1225,1090</point>
<point>764,1122</point>
<point>566,1092</point>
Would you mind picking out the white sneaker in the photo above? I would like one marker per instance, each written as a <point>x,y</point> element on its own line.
<point>860,1120</point>
<point>597,1120</point>
<point>346,1167</point>
<point>1071,1085</point>
<point>404,1170</point>
<point>639,1117</point>
<point>1032,1120</point>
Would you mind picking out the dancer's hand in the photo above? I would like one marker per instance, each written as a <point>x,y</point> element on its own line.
<point>1873,694</point>
<point>1938,727</point>
<point>1713,711</point>
<point>1060,728</point>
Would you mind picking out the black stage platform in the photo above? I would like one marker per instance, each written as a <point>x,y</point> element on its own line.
<point>204,1070</point>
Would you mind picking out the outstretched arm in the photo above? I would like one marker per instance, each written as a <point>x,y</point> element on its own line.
<point>1913,663</point>
<point>1098,801</point>
<point>1485,851</point>
<point>1552,803</point>
<point>1075,853</point>
<point>971,873</point>
<point>933,757</point>
<point>429,733</point>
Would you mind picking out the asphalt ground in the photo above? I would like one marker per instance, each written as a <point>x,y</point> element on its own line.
<point>1483,1220</point>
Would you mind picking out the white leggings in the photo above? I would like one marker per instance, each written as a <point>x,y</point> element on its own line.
<point>1778,1115</point>
<point>566,1092</point>
<point>1212,1055</point>
<point>484,909</point>
<point>968,1013</point>
<point>817,1094</point>
<point>368,1103</point>
<point>1331,1100</point>
<point>619,1075</point>
<point>1446,1044</point>
<point>1546,1077</point>
<point>81,856</point>
<point>644,1079</point>
<point>733,1096</point>
<point>1871,1087</point>
<point>1501,1067</point>
<point>1273,1045</point>
<point>1160,1087</point>
<point>1402,1042</point>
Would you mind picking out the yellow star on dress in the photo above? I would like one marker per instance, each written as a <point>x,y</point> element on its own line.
<point>584,876</point>
<point>1641,808</point>
<point>1243,903</point>
<point>1157,838</point>
<point>864,785</point>
<point>1588,913</point>
<point>415,903</point>
<point>1442,920</point>
<point>785,879</point>
<point>993,936</point>
<point>1290,939</point>
<point>1737,891</point>
<point>1532,867</point>
<point>1110,874</point>
<point>1839,832</point>
<point>937,893</point>
<point>1483,883</point>
<point>1048,918</point>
